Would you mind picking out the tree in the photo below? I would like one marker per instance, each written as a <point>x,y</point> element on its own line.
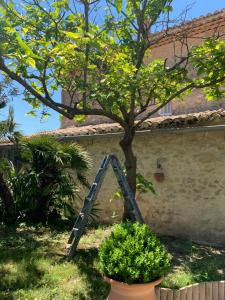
<point>101,65</point>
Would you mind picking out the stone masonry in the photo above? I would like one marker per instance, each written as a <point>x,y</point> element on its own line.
<point>190,201</point>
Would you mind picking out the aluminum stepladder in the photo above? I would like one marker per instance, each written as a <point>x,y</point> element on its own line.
<point>89,201</point>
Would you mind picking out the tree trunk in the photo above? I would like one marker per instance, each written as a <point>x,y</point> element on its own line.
<point>9,215</point>
<point>131,169</point>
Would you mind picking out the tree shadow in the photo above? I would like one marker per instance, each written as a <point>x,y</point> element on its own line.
<point>25,248</point>
<point>205,263</point>
<point>19,257</point>
<point>86,260</point>
<point>5,296</point>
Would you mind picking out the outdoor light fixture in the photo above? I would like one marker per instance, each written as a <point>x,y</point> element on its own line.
<point>159,174</point>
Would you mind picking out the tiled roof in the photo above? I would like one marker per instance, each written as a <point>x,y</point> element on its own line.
<point>207,118</point>
<point>180,121</point>
<point>212,21</point>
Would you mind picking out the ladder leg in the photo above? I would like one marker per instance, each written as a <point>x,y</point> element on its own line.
<point>126,190</point>
<point>82,219</point>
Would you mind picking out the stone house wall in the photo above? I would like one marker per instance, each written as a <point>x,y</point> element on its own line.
<point>193,34</point>
<point>190,202</point>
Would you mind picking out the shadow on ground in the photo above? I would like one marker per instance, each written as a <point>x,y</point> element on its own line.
<point>31,260</point>
<point>201,262</point>
<point>86,261</point>
<point>20,252</point>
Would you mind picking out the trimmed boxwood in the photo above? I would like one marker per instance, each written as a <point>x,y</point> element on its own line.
<point>133,254</point>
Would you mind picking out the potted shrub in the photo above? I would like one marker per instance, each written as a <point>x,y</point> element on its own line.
<point>133,261</point>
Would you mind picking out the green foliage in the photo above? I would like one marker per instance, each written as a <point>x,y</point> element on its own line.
<point>8,126</point>
<point>133,254</point>
<point>7,91</point>
<point>50,45</point>
<point>209,61</point>
<point>7,207</point>
<point>144,185</point>
<point>47,183</point>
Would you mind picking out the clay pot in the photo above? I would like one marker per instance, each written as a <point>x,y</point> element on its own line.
<point>123,291</point>
<point>159,176</point>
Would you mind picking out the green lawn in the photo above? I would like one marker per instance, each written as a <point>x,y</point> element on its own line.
<point>33,265</point>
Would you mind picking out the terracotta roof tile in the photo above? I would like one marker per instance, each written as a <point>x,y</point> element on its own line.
<point>180,121</point>
<point>211,21</point>
<point>207,118</point>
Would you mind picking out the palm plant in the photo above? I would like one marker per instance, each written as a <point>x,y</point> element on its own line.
<point>7,207</point>
<point>49,180</point>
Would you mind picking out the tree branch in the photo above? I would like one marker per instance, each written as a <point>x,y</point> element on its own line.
<point>59,107</point>
<point>178,93</point>
<point>24,83</point>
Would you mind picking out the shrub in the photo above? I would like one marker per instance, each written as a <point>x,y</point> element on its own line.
<point>47,183</point>
<point>133,254</point>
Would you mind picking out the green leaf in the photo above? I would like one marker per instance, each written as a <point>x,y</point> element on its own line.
<point>168,8</point>
<point>143,185</point>
<point>118,195</point>
<point>32,113</point>
<point>23,45</point>
<point>119,5</point>
<point>2,10</point>
<point>73,35</point>
<point>80,118</point>
<point>28,51</point>
<point>31,62</point>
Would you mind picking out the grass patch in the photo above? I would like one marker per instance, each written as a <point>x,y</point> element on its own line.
<point>33,265</point>
<point>193,263</point>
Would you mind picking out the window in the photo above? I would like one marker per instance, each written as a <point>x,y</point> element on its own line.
<point>152,102</point>
<point>166,110</point>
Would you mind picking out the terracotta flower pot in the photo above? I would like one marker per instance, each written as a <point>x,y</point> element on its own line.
<point>159,176</point>
<point>123,291</point>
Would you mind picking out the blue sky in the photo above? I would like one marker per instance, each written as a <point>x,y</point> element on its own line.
<point>28,124</point>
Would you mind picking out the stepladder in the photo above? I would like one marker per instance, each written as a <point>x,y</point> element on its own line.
<point>89,201</point>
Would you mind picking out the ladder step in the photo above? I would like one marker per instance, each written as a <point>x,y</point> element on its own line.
<point>93,188</point>
<point>68,247</point>
<point>89,199</point>
<point>75,230</point>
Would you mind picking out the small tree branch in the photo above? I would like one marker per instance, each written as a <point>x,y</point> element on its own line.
<point>178,93</point>
<point>59,107</point>
<point>29,88</point>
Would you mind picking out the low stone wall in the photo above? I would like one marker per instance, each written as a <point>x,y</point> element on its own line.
<point>190,202</point>
<point>202,291</point>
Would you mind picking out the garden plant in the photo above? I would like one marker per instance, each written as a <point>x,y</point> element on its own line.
<point>7,131</point>
<point>132,254</point>
<point>46,181</point>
